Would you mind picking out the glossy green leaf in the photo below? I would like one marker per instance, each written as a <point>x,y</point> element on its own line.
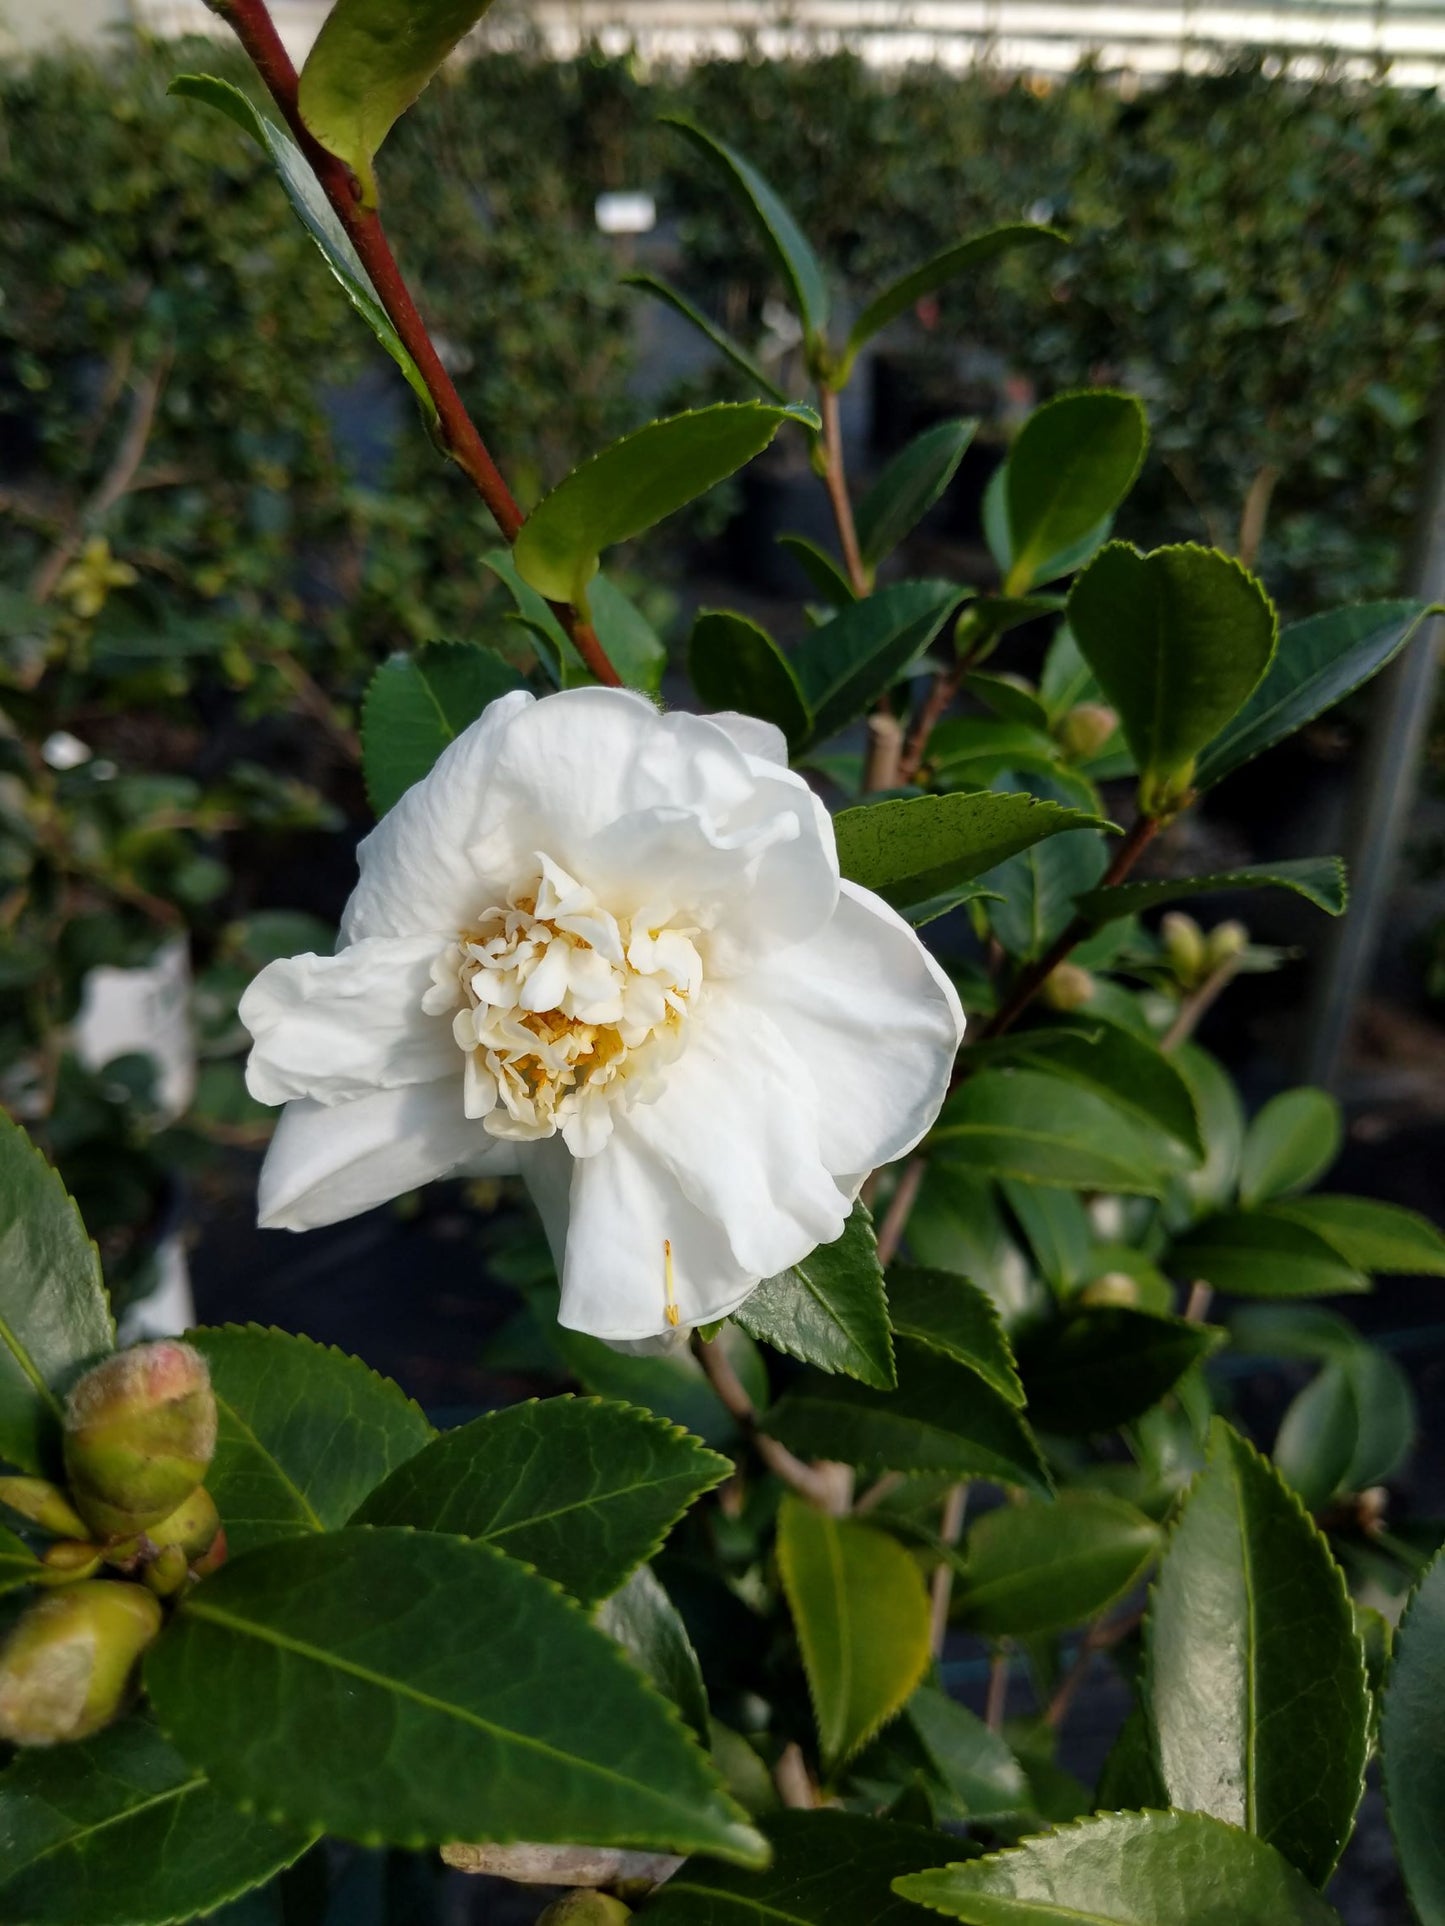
<point>1008,696</point>
<point>1071,464</point>
<point>1131,1072</point>
<point>394,1686</point>
<point>828,1868</point>
<point>949,1314</point>
<point>674,1386</point>
<point>121,1828</point>
<point>861,1610</point>
<point>368,64</point>
<point>1320,880</point>
<point>1221,1120</point>
<point>909,486</point>
<point>1056,1225</point>
<point>943,1417</point>
<point>977,251</point>
<point>911,848</point>
<point>54,1317</point>
<point>830,1310</point>
<point>1031,1570</point>
<point>719,337</point>
<point>848,662</point>
<point>304,1433</point>
<point>633,646</point>
<point>581,1489</point>
<point>824,572</point>
<point>787,243</point>
<point>315,214</point>
<point>1256,1676</point>
<point>1261,1254</point>
<point>1318,663</point>
<point>647,1625</point>
<point>416,704</point>
<point>1129,1777</point>
<point>1289,1145</point>
<point>736,664</point>
<point>1352,1427</point>
<point>1096,1368</point>
<point>634,484</point>
<point>1178,639</point>
<point>994,515</point>
<point>1037,888</point>
<point>1041,1130</point>
<point>1126,1869</point>
<point>1410,1745</point>
<point>1369,1235</point>
<point>981,1774</point>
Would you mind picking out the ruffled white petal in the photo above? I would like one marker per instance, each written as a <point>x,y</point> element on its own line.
<point>876,1023</point>
<point>336,1027</point>
<point>753,736</point>
<point>327,1162</point>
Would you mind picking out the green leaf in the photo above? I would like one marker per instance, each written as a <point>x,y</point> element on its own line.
<point>1037,888</point>
<point>368,64</point>
<point>719,337</point>
<point>416,704</point>
<point>304,1433</point>
<point>830,1310</point>
<point>633,646</point>
<point>1410,1745</point>
<point>980,1772</point>
<point>862,1613</point>
<point>1368,1235</point>
<point>1057,1227</point>
<point>1032,1570</point>
<point>1256,1675</point>
<point>911,848</point>
<point>397,1687</point>
<point>1221,1119</point>
<point>120,1827</point>
<point>909,486</point>
<point>822,570</point>
<point>828,1869</point>
<point>1072,463</point>
<point>1319,879</point>
<point>579,1488</point>
<point>647,1625</point>
<point>18,1564</point>
<point>1007,697</point>
<point>1178,639</point>
<point>735,664</point>
<point>634,484</point>
<point>1097,1368</point>
<point>673,1386</point>
<point>943,1417</point>
<point>1317,664</point>
<point>959,259</point>
<point>1261,1254</point>
<point>1126,1869</point>
<point>316,215</point>
<point>949,1314</point>
<point>54,1317</point>
<point>787,243</point>
<point>1131,1072</point>
<point>1351,1428</point>
<point>1041,1130</point>
<point>844,665</point>
<point>1289,1145</point>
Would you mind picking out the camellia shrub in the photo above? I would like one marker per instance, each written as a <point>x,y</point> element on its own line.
<point>941,1248</point>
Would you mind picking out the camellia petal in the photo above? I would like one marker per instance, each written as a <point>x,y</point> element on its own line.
<point>763,740</point>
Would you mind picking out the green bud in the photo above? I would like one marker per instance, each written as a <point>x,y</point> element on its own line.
<point>192,1526</point>
<point>68,1560</point>
<point>1068,986</point>
<point>139,1433</point>
<point>585,1907</point>
<point>1114,1287</point>
<point>167,1571</point>
<point>1226,941</point>
<point>67,1668</point>
<point>1085,729</point>
<point>1184,947</point>
<point>43,1504</point>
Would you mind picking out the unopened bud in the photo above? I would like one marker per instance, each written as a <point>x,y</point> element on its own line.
<point>42,1504</point>
<point>1184,947</point>
<point>1085,729</point>
<point>68,1666</point>
<point>192,1526</point>
<point>70,1559</point>
<point>585,1908</point>
<point>1068,986</point>
<point>167,1571</point>
<point>139,1433</point>
<point>1114,1287</point>
<point>1226,941</point>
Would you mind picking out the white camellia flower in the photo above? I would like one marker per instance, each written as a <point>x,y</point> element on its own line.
<point>609,950</point>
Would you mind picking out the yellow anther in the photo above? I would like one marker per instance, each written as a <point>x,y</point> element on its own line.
<point>668,1287</point>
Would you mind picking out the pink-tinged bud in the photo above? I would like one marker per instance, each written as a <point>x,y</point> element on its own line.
<point>192,1526</point>
<point>1085,730</point>
<point>1226,941</point>
<point>586,1908</point>
<point>1184,947</point>
<point>140,1431</point>
<point>43,1504</point>
<point>212,1560</point>
<point>1068,986</point>
<point>68,1667</point>
<point>1114,1287</point>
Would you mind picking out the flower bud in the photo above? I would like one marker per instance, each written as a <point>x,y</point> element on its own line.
<point>167,1572</point>
<point>1085,729</point>
<point>1068,986</point>
<point>67,1668</point>
<point>1184,947</point>
<point>1114,1287</point>
<point>1226,941</point>
<point>70,1559</point>
<point>192,1527</point>
<point>586,1907</point>
<point>43,1504</point>
<point>139,1433</point>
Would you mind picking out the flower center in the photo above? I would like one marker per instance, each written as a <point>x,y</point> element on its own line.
<point>562,1009</point>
